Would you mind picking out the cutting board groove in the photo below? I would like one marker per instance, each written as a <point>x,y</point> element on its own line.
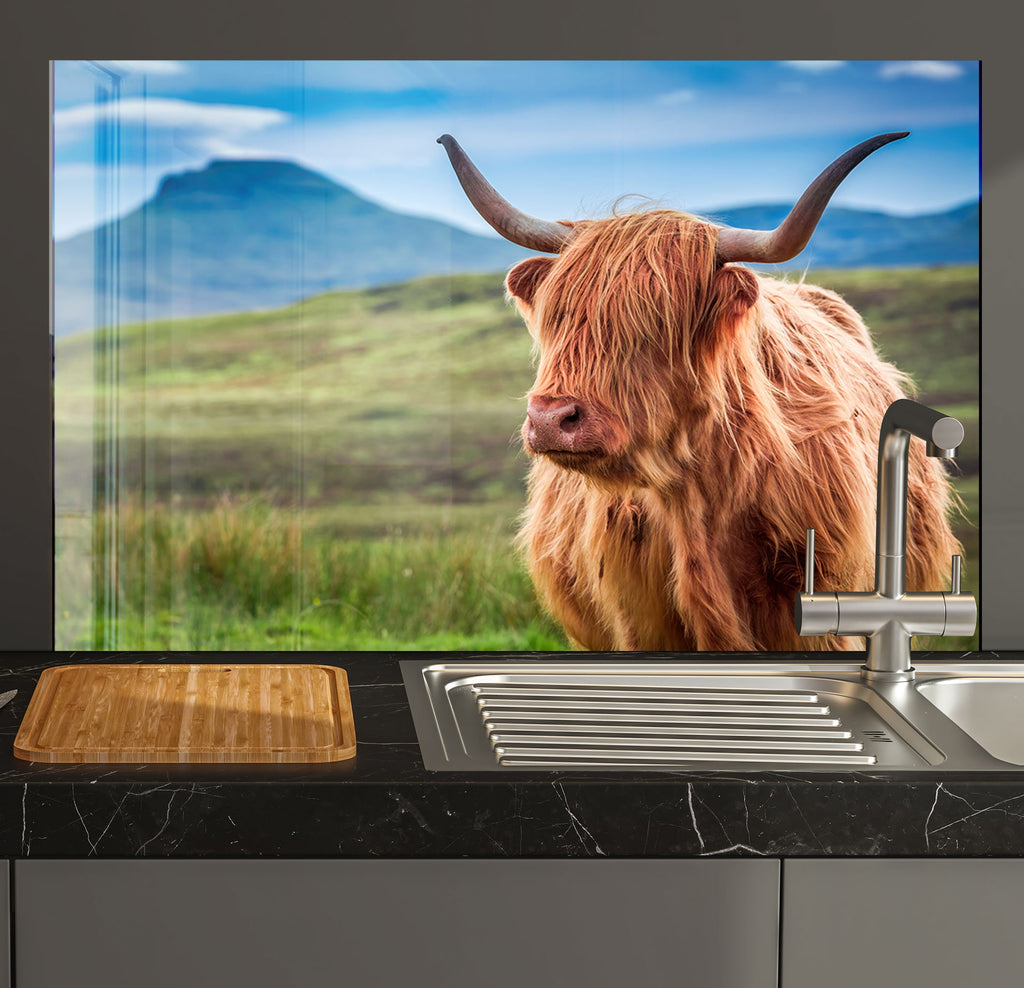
<point>188,713</point>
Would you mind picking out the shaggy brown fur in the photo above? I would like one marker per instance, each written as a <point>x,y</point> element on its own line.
<point>741,410</point>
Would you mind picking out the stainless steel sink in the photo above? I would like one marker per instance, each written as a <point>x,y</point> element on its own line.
<point>514,714</point>
<point>990,710</point>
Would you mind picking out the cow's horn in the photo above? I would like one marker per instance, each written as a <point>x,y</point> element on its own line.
<point>512,224</point>
<point>789,238</point>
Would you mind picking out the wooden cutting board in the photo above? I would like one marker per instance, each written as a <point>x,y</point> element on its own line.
<point>188,713</point>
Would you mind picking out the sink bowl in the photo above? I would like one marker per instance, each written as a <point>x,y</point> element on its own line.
<point>990,710</point>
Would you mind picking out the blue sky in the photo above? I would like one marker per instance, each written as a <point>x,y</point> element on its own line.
<point>562,140</point>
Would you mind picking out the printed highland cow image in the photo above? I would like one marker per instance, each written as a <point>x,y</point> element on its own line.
<point>503,356</point>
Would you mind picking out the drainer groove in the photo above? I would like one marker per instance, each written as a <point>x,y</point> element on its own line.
<point>533,723</point>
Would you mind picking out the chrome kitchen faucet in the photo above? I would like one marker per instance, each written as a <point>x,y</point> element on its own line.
<point>888,615</point>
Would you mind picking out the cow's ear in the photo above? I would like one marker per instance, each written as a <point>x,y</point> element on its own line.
<point>523,279</point>
<point>735,292</point>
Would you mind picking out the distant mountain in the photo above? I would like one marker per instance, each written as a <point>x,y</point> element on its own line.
<point>855,238</point>
<point>244,235</point>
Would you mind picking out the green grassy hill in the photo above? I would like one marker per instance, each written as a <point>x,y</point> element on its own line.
<point>345,473</point>
<point>410,392</point>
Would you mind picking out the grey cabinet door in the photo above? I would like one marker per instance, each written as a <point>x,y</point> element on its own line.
<point>5,925</point>
<point>935,923</point>
<point>395,923</point>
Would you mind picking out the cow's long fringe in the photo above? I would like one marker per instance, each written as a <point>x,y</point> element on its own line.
<point>749,409</point>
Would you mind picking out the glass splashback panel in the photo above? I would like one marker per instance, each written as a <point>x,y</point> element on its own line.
<point>289,387</point>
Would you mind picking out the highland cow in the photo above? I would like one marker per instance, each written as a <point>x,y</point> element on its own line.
<point>691,419</point>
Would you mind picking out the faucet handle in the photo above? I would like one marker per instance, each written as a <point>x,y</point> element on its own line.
<point>809,563</point>
<point>955,582</point>
<point>815,614</point>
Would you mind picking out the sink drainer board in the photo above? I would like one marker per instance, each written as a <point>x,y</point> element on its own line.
<point>630,716</point>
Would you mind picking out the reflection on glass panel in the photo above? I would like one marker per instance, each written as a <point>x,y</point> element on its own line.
<point>289,388</point>
<point>87,426</point>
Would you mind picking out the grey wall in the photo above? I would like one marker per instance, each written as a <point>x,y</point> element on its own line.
<point>31,34</point>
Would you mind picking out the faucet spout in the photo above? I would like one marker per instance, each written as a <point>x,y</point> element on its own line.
<point>943,436</point>
<point>888,616</point>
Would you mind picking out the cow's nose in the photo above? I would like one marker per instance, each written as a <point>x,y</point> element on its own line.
<point>555,424</point>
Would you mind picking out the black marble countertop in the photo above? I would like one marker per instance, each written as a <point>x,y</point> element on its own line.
<point>384,803</point>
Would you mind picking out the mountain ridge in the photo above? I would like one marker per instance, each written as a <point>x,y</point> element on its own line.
<point>238,235</point>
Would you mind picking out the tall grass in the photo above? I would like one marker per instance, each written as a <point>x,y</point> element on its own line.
<point>246,574</point>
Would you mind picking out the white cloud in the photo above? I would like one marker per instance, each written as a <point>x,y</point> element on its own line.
<point>677,96</point>
<point>820,65</point>
<point>921,70</point>
<point>203,120</point>
<point>149,68</point>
